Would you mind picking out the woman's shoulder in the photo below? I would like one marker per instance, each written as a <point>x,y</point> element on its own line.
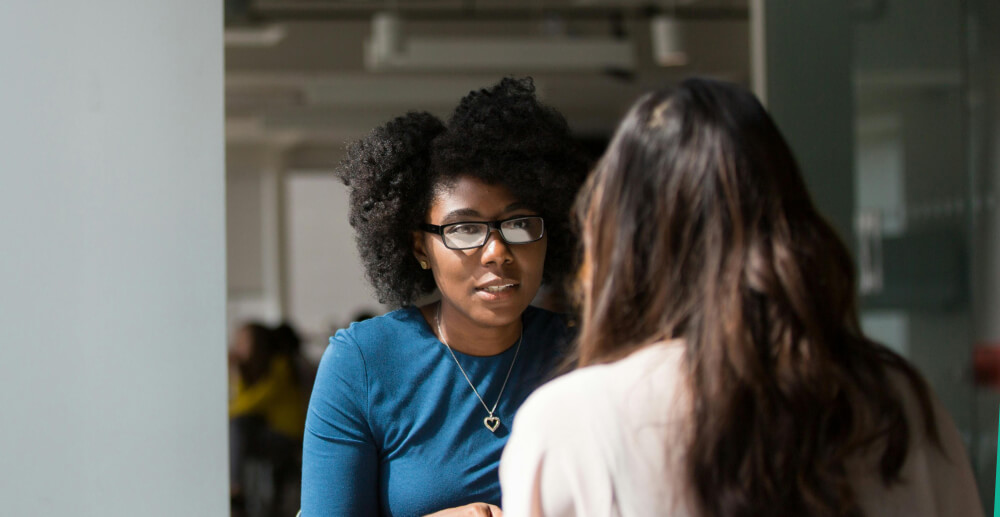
<point>375,342</point>
<point>390,327</point>
<point>556,404</point>
<point>937,475</point>
<point>364,348</point>
<point>541,321</point>
<point>559,414</point>
<point>604,386</point>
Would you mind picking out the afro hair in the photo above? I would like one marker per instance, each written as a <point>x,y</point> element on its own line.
<point>501,135</point>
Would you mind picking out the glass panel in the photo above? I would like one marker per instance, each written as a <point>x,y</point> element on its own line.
<point>914,171</point>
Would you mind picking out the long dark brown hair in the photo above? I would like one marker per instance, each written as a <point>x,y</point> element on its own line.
<point>697,225</point>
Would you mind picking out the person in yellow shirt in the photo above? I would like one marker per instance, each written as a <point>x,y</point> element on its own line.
<point>267,408</point>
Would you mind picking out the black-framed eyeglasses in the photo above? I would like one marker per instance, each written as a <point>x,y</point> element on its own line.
<point>468,235</point>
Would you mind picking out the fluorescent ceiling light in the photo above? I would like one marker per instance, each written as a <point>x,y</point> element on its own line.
<point>353,90</point>
<point>388,50</point>
<point>668,41</point>
<point>266,36</point>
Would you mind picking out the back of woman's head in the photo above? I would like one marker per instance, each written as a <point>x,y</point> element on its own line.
<point>697,225</point>
<point>262,348</point>
<point>286,339</point>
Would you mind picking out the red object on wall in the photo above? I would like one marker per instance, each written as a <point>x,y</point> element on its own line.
<point>986,364</point>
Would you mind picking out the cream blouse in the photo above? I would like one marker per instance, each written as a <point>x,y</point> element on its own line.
<point>604,441</point>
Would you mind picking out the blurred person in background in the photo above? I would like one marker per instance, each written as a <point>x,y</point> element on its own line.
<point>289,344</point>
<point>411,410</point>
<point>722,369</point>
<point>267,409</point>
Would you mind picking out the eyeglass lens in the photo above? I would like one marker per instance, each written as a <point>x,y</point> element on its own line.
<point>514,231</point>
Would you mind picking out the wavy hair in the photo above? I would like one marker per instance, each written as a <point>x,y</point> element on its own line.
<point>697,225</point>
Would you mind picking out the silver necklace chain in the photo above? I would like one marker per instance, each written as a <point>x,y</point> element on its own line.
<point>491,422</point>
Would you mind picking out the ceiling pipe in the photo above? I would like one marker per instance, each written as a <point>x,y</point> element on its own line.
<point>387,49</point>
<point>320,10</point>
<point>667,35</point>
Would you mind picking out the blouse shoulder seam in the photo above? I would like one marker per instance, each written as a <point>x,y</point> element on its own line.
<point>364,368</point>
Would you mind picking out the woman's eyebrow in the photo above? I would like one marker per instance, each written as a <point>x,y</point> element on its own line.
<point>460,213</point>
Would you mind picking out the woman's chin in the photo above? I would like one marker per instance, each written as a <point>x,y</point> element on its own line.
<point>499,312</point>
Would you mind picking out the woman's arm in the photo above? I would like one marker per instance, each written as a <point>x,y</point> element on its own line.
<point>339,456</point>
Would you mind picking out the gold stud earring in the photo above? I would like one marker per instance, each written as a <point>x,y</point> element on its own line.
<point>424,265</point>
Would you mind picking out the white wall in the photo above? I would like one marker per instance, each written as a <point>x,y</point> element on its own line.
<point>253,246</point>
<point>112,269</point>
<point>245,233</point>
<point>326,282</point>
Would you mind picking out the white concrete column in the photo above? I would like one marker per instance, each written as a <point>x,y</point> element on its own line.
<point>112,266</point>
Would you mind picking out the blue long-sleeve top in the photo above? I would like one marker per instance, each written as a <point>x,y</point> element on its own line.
<point>393,427</point>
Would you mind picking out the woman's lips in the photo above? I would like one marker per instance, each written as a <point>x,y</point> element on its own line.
<point>498,288</point>
<point>497,291</point>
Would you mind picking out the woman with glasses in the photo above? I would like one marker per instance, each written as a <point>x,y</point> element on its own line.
<point>411,410</point>
<point>723,370</point>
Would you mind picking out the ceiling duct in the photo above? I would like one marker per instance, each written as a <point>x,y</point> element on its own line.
<point>388,49</point>
<point>249,36</point>
<point>667,35</point>
<point>507,10</point>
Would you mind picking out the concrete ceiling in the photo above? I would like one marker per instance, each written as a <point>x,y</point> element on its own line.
<point>296,77</point>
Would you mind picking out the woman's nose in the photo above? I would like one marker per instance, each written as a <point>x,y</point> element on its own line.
<point>496,250</point>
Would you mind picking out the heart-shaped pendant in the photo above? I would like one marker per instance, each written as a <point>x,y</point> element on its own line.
<point>491,423</point>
